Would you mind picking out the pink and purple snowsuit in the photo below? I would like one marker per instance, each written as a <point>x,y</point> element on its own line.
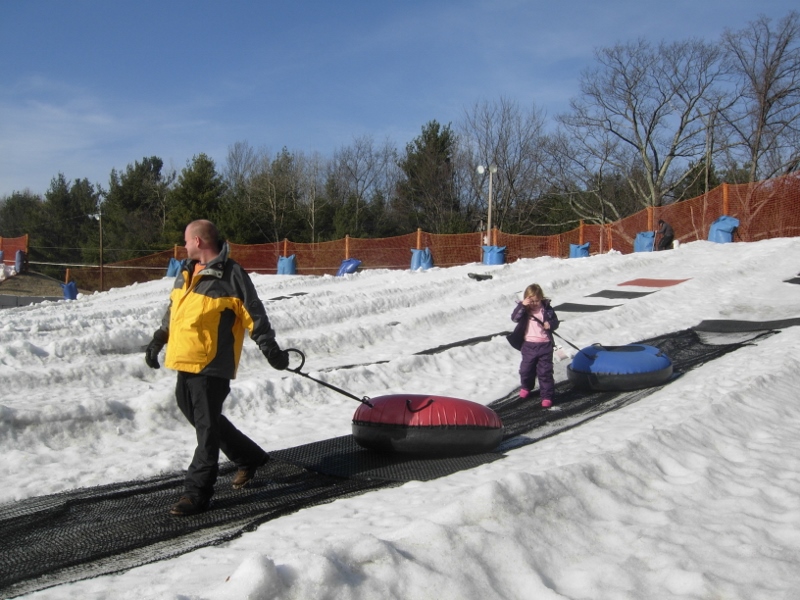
<point>537,356</point>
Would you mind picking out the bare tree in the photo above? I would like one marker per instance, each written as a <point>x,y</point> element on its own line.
<point>278,184</point>
<point>311,170</point>
<point>364,171</point>
<point>764,123</point>
<point>242,163</point>
<point>502,134</point>
<point>649,105</point>
<point>246,174</point>
<point>588,181</point>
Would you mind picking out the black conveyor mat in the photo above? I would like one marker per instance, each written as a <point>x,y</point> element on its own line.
<point>88,532</point>
<point>572,307</point>
<point>343,457</point>
<point>618,294</point>
<point>55,539</point>
<point>14,301</point>
<point>732,326</point>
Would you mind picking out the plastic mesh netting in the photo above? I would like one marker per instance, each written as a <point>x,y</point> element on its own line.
<point>84,533</point>
<point>10,246</point>
<point>765,209</point>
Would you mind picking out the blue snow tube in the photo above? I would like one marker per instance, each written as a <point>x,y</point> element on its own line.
<point>631,367</point>
<point>349,265</point>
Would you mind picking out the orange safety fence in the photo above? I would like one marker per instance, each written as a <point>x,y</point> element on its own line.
<point>9,247</point>
<point>765,209</point>
<point>121,274</point>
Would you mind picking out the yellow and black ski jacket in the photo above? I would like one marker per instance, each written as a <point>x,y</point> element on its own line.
<point>207,316</point>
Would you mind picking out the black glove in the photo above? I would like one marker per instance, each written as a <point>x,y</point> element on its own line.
<point>160,338</point>
<point>277,358</point>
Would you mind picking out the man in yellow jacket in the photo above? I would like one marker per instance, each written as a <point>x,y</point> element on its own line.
<point>211,305</point>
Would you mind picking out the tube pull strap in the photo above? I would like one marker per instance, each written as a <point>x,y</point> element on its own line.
<point>364,400</point>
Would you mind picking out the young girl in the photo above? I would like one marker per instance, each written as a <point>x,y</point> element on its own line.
<point>536,321</point>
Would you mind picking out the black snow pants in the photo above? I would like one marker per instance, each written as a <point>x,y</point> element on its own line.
<point>200,399</point>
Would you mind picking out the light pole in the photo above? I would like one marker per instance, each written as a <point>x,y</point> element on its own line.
<point>99,217</point>
<point>492,170</point>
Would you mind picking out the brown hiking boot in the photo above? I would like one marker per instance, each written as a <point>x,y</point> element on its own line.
<point>188,506</point>
<point>245,474</point>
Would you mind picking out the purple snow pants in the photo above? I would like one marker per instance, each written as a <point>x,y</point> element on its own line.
<point>537,362</point>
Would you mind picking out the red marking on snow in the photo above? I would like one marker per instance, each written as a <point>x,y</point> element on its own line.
<point>654,282</point>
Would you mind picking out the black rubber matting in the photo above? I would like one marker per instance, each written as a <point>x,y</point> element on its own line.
<point>343,457</point>
<point>88,532</point>
<point>793,280</point>
<point>55,539</point>
<point>14,301</point>
<point>618,294</point>
<point>479,276</point>
<point>572,307</point>
<point>731,326</point>
<point>292,295</point>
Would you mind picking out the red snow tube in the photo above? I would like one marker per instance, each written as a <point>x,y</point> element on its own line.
<point>426,425</point>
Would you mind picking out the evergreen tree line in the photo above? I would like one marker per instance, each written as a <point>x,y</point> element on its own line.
<point>653,124</point>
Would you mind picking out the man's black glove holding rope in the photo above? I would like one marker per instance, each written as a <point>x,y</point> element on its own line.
<point>277,358</point>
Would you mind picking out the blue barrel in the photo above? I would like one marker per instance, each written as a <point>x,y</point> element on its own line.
<point>645,241</point>
<point>421,259</point>
<point>70,290</point>
<point>578,250</point>
<point>174,267</point>
<point>721,230</point>
<point>494,255</point>
<point>287,265</point>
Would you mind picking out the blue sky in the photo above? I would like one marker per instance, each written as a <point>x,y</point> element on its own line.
<point>91,85</point>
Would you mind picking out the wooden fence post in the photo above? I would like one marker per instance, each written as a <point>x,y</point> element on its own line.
<point>419,238</point>
<point>346,247</point>
<point>580,233</point>
<point>725,199</point>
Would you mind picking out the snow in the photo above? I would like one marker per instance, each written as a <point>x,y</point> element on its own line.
<point>692,492</point>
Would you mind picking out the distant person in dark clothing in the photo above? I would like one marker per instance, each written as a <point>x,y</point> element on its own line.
<point>667,235</point>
